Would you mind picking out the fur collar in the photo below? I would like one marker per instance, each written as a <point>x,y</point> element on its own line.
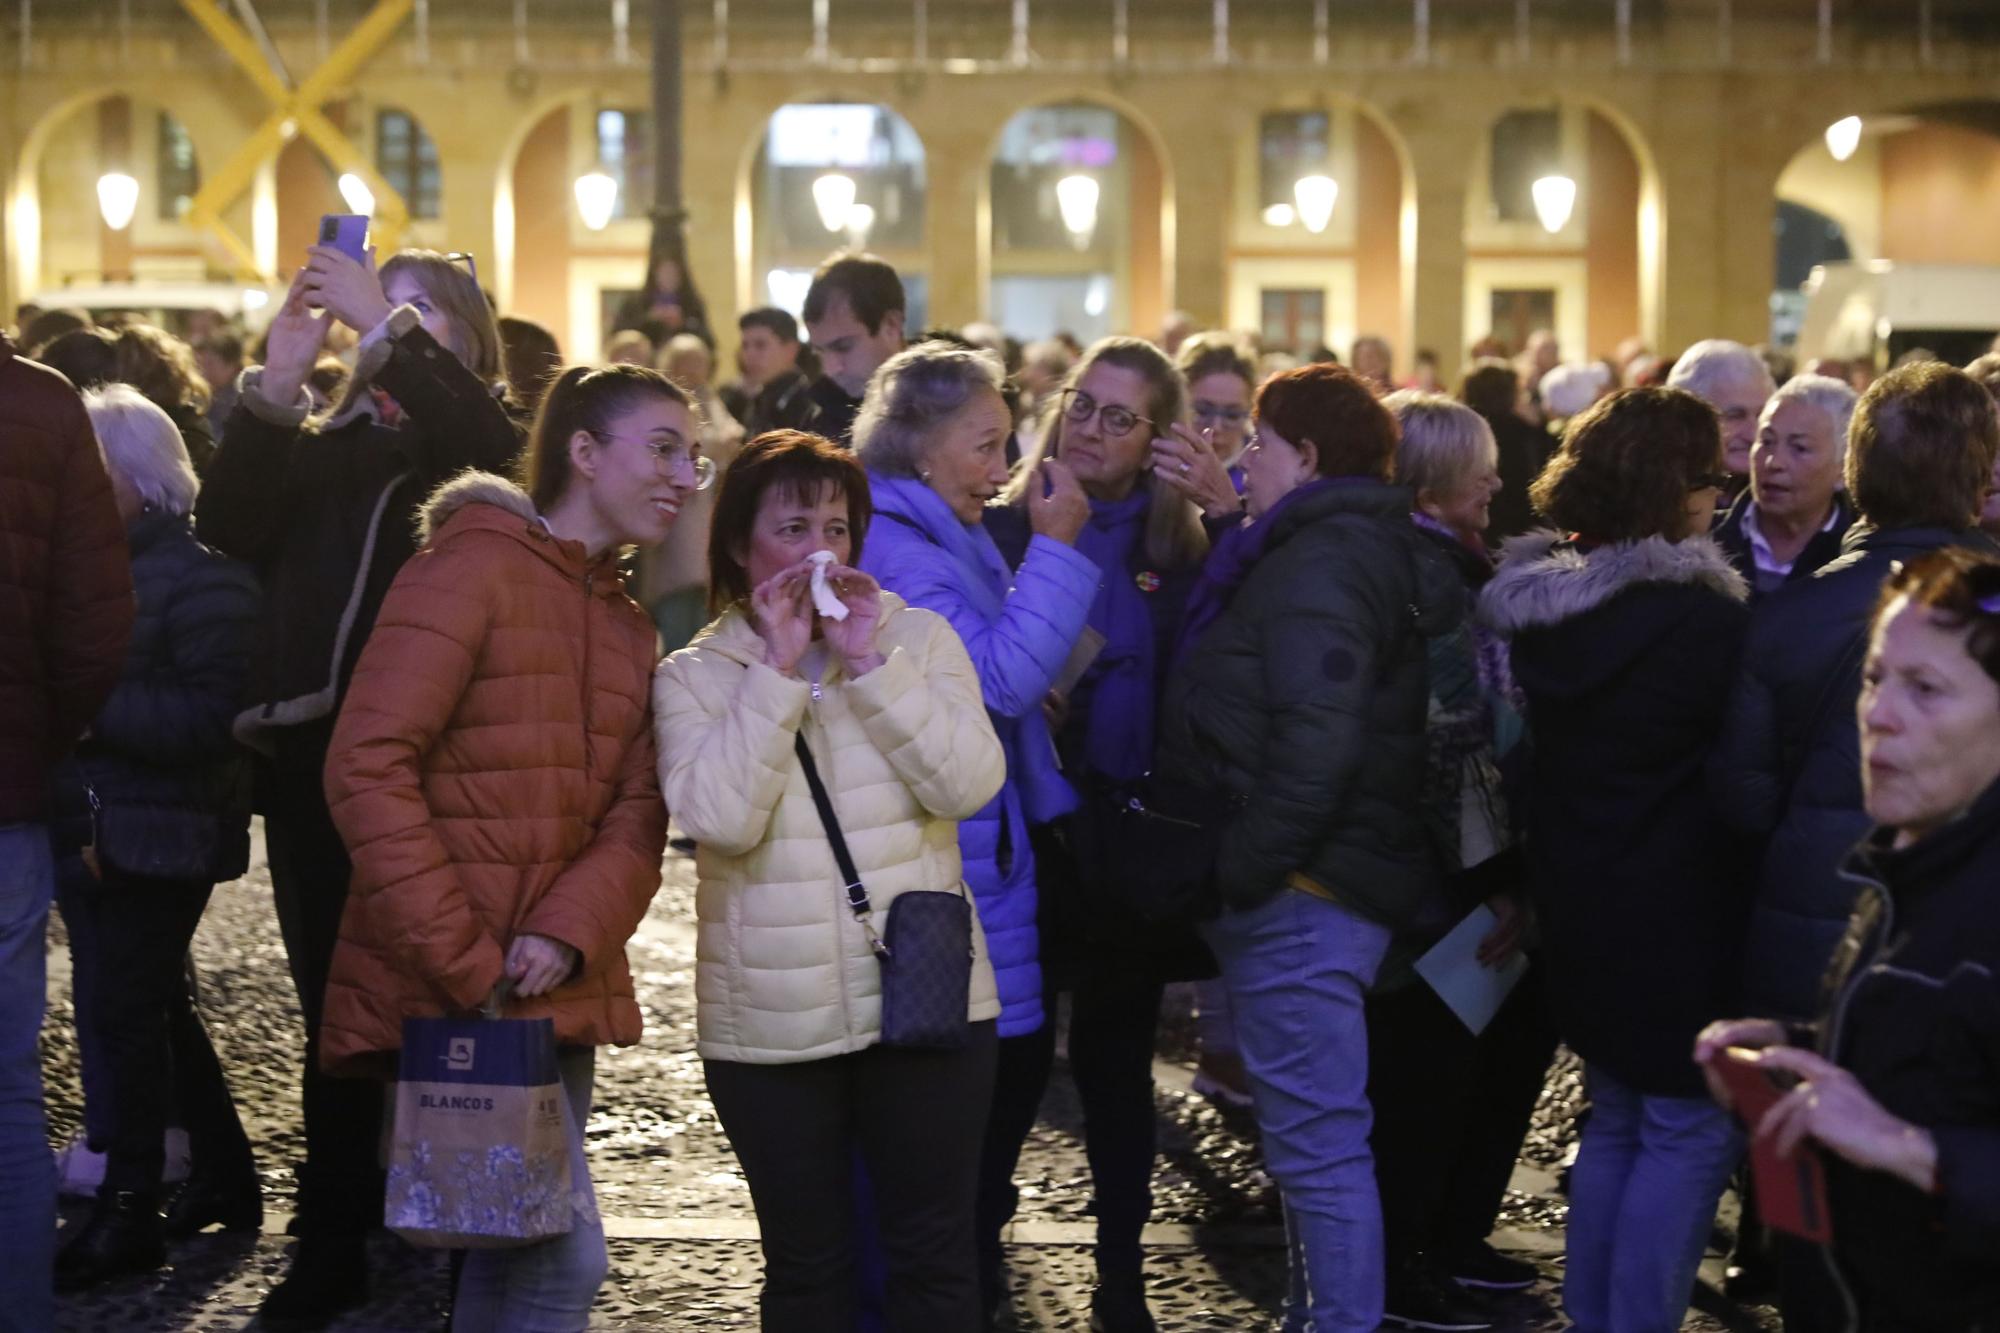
<point>471,487</point>
<point>1539,585</point>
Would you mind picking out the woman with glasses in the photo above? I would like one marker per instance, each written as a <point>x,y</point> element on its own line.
<point>1221,379</point>
<point>324,509</point>
<point>1107,425</point>
<point>1624,628</point>
<point>493,777</point>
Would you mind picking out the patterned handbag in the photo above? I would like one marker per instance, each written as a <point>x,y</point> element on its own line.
<point>926,954</point>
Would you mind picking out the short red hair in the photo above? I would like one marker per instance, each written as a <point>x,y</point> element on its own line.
<point>1352,433</point>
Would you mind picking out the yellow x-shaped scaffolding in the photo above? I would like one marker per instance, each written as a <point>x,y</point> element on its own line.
<point>296,111</point>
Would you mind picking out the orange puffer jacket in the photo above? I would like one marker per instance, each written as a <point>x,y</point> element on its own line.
<point>493,775</point>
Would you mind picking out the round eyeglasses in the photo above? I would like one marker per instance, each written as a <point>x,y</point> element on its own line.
<point>1079,407</point>
<point>669,451</point>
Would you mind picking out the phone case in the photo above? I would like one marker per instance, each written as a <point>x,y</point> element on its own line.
<point>347,233</point>
<point>1791,1191</point>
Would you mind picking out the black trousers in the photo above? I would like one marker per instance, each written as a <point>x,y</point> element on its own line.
<point>1451,1110</point>
<point>340,1185</point>
<point>1021,1076</point>
<point>157,1056</point>
<point>918,1119</point>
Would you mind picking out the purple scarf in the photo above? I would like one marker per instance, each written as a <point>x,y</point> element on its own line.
<point>1232,558</point>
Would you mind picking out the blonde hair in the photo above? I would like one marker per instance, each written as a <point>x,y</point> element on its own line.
<point>1175,538</point>
<point>1444,444</point>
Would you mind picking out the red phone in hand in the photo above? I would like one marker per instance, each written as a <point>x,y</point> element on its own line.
<point>1791,1191</point>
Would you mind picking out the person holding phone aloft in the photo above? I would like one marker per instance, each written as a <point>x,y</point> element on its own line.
<point>324,509</point>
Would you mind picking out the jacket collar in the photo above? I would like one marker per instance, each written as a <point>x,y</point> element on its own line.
<point>1934,860</point>
<point>151,525</point>
<point>480,501</point>
<point>1544,579</point>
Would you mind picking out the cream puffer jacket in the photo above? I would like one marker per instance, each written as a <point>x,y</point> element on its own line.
<point>784,972</point>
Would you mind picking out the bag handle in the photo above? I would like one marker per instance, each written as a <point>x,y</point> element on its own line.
<point>857,893</point>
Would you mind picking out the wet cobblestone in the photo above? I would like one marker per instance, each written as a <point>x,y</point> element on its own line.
<point>683,1251</point>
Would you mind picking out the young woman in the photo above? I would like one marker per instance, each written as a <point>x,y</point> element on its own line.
<point>1109,425</point>
<point>325,511</point>
<point>492,775</point>
<point>788,985</point>
<point>933,432</point>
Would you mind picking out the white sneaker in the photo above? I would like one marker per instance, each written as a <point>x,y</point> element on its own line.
<point>80,1171</point>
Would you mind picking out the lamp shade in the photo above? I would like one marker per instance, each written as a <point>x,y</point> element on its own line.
<point>1316,196</point>
<point>117,199</point>
<point>1076,198</point>
<point>596,198</point>
<point>833,195</point>
<point>1843,137</point>
<point>359,197</point>
<point>1555,200</point>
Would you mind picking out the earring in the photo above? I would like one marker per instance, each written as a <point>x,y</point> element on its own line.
<point>924,474</point>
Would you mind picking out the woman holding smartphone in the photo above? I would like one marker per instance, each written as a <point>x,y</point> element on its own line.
<point>324,509</point>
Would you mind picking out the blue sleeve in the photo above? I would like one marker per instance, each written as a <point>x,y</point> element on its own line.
<point>1019,654</point>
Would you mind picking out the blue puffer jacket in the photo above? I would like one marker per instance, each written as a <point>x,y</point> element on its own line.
<point>1019,630</point>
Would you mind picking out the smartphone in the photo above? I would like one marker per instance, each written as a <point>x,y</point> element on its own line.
<point>347,233</point>
<point>1791,1191</point>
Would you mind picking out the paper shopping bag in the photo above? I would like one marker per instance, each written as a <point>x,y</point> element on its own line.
<point>479,1156</point>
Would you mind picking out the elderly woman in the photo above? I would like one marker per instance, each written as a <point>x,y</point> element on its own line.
<point>1302,690</point>
<point>1624,640</point>
<point>1791,520</point>
<point>885,703</point>
<point>325,509</point>
<point>1451,1108</point>
<point>1734,380</point>
<point>153,813</point>
<point>1897,1092</point>
<point>932,431</point>
<point>1109,424</point>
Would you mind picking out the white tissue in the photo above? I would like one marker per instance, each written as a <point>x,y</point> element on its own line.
<point>824,601</point>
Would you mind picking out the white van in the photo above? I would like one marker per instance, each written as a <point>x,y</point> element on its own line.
<point>1876,310</point>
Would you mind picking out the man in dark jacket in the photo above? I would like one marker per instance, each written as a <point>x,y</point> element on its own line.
<point>773,394</point>
<point>854,315</point>
<point>1920,450</point>
<point>66,613</point>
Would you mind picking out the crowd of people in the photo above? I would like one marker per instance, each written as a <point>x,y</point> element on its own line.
<point>987,682</point>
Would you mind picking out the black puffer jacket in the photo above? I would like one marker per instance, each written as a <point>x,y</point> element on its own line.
<point>1626,654</point>
<point>1916,1017</point>
<point>1789,767</point>
<point>327,516</point>
<point>1822,549</point>
<point>1309,694</point>
<point>171,781</point>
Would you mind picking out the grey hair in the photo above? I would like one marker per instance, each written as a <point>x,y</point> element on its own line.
<point>142,445</point>
<point>1443,445</point>
<point>913,393</point>
<point>1713,362</point>
<point>1835,398</point>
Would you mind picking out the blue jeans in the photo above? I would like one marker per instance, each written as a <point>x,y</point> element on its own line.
<point>1296,968</point>
<point>1642,1196</point>
<point>27,1168</point>
<point>549,1287</point>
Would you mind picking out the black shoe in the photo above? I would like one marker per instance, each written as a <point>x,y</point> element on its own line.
<point>1481,1266</point>
<point>235,1203</point>
<point>1119,1306</point>
<point>123,1235</point>
<point>1419,1296</point>
<point>329,1277</point>
<point>682,843</point>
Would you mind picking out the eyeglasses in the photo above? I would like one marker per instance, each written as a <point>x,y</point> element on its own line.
<point>669,452</point>
<point>1079,407</point>
<point>1227,416</point>
<point>471,268</point>
<point>1710,481</point>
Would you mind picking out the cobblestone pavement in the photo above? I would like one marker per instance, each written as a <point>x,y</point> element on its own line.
<point>683,1247</point>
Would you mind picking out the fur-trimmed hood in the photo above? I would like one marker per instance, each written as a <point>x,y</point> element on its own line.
<point>471,487</point>
<point>482,502</point>
<point>1544,581</point>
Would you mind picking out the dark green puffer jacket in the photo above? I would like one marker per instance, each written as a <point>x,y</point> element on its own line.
<point>1308,696</point>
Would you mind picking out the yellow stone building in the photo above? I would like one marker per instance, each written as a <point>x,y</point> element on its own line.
<point>1688,128</point>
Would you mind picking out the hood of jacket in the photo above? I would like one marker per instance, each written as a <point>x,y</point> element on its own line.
<point>475,501</point>
<point>1547,587</point>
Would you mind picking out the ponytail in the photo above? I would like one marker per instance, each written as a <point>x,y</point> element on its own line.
<point>588,399</point>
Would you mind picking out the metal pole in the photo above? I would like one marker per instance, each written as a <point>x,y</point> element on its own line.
<point>669,210</point>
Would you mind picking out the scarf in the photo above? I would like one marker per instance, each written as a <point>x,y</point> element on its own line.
<point>1114,702</point>
<point>1232,558</point>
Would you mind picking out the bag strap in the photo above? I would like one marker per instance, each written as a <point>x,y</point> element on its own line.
<point>857,893</point>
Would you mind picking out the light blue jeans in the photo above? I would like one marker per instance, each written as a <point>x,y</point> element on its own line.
<point>1296,968</point>
<point>545,1288</point>
<point>1642,1197</point>
<point>27,1167</point>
